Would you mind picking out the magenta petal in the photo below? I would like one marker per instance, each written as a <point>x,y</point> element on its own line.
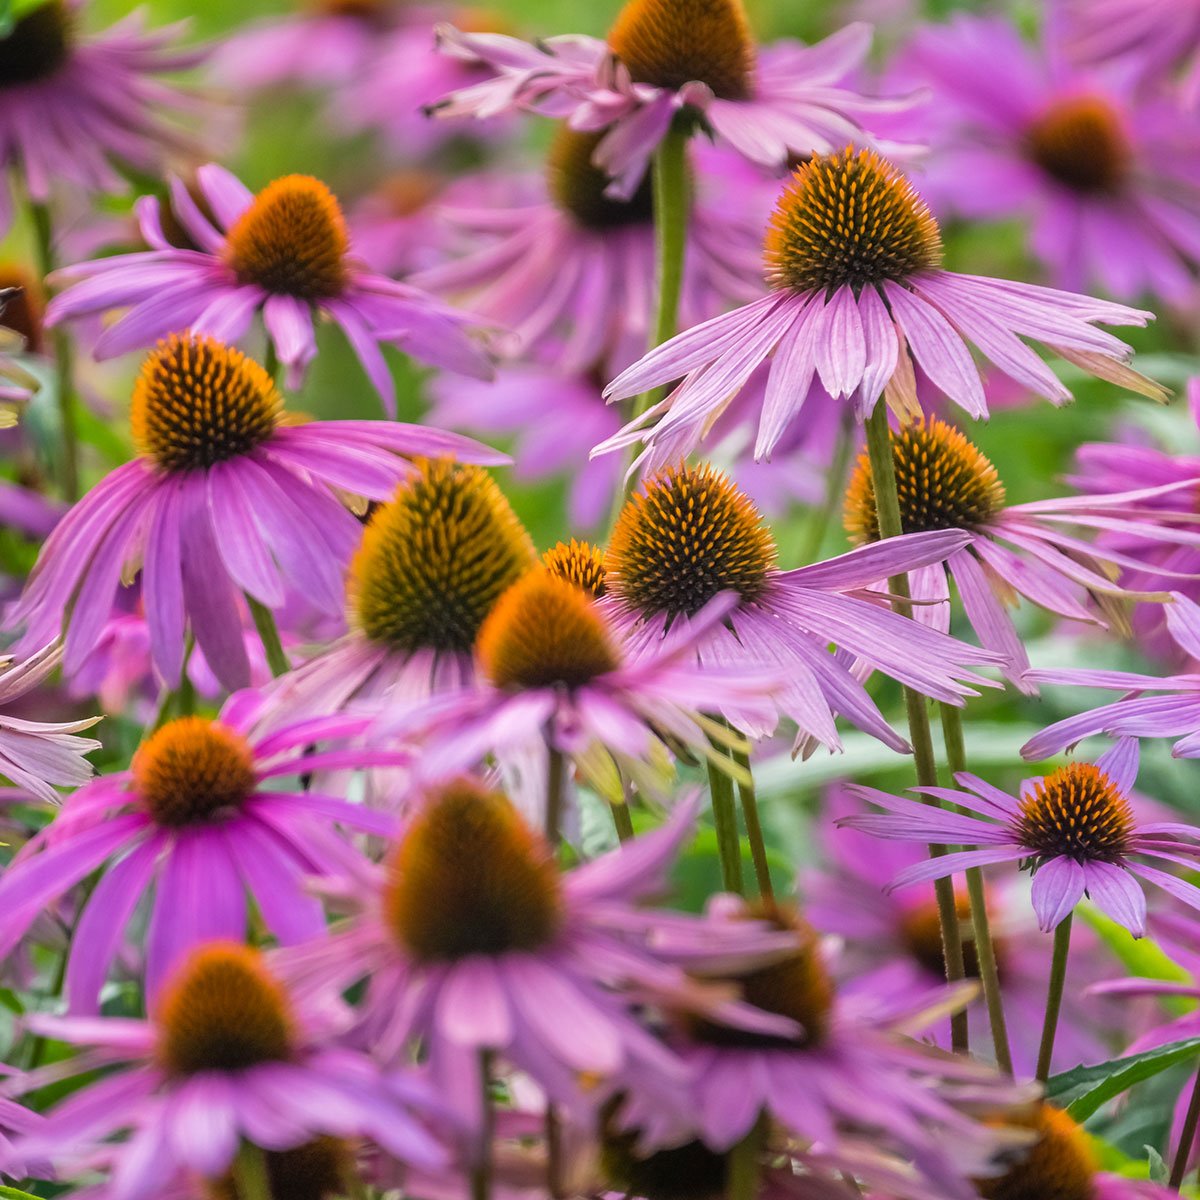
<point>1058,886</point>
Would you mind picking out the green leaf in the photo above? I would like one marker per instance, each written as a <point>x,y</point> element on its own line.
<point>11,1193</point>
<point>1142,958</point>
<point>1084,1090</point>
<point>1159,1171</point>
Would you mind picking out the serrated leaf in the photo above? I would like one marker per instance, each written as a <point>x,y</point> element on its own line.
<point>1085,1090</point>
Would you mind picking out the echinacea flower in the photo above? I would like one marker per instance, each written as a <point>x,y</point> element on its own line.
<point>433,561</point>
<point>859,298</point>
<point>34,755</point>
<point>1063,1164</point>
<point>849,1069</point>
<point>690,534</point>
<point>1105,178</point>
<point>667,58</point>
<point>571,271</point>
<point>553,674</point>
<point>286,253</point>
<point>1154,706</point>
<point>203,819</point>
<point>223,498</point>
<point>1032,550</point>
<point>74,108</point>
<point>1074,828</point>
<point>469,938</point>
<point>1145,37</point>
<point>227,1055</point>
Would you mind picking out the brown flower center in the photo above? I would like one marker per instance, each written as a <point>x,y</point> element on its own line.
<point>579,563</point>
<point>942,480</point>
<point>672,42</point>
<point>192,770</point>
<point>849,220</point>
<point>921,929</point>
<point>1061,1166</point>
<point>223,1011</point>
<point>198,402</point>
<point>38,44</point>
<point>435,559</point>
<point>1076,812</point>
<point>797,986</point>
<point>1081,144</point>
<point>318,1170</point>
<point>577,185</point>
<point>688,1172</point>
<point>545,632</point>
<point>23,310</point>
<point>689,535</point>
<point>471,877</point>
<point>292,240</point>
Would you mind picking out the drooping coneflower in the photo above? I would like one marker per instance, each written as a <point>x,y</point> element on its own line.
<point>848,1080</point>
<point>224,498</point>
<point>203,820</point>
<point>1075,828</point>
<point>571,271</point>
<point>469,938</point>
<point>284,253</point>
<point>1029,550</point>
<point>227,1055</point>
<point>554,675</point>
<point>858,297</point>
<point>1104,176</point>
<point>667,58</point>
<point>691,534</point>
<point>73,108</point>
<point>433,561</point>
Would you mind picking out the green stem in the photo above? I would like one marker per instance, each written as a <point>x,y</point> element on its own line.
<point>729,847</point>
<point>748,796</point>
<point>887,508</point>
<point>481,1173</point>
<point>63,369</point>
<point>835,490</point>
<point>268,633</point>
<point>250,1171</point>
<point>985,947</point>
<point>1187,1138</point>
<point>671,203</point>
<point>556,779</point>
<point>622,821</point>
<point>742,1179</point>
<point>1054,996</point>
<point>271,361</point>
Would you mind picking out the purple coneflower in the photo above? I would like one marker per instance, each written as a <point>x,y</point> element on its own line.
<point>858,297</point>
<point>202,819</point>
<point>553,672</point>
<point>227,1056</point>
<point>1074,828</point>
<point>571,273</point>
<point>1106,179</point>
<point>37,756</point>
<point>432,563</point>
<point>848,1070</point>
<point>1031,550</point>
<point>284,252</point>
<point>71,107</point>
<point>1154,707</point>
<point>470,939</point>
<point>223,498</point>
<point>690,534</point>
<point>664,59</point>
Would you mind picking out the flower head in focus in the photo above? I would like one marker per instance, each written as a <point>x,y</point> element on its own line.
<point>859,298</point>
<point>203,820</point>
<point>1075,828</point>
<point>224,498</point>
<point>284,252</point>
